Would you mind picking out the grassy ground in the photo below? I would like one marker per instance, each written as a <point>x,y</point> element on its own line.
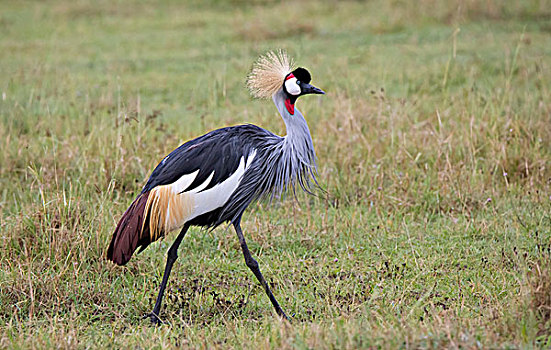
<point>434,144</point>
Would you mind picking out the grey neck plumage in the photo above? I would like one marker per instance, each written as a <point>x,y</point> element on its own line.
<point>281,163</point>
<point>298,155</point>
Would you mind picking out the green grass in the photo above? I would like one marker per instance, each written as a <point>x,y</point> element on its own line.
<point>433,143</point>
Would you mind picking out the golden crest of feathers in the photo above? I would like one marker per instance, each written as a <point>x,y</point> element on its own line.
<point>268,73</point>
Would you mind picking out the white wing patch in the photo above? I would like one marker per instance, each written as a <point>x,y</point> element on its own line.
<point>250,158</point>
<point>190,204</point>
<point>218,195</point>
<point>203,185</point>
<point>183,182</point>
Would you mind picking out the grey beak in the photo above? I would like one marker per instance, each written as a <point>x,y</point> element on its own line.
<point>310,89</point>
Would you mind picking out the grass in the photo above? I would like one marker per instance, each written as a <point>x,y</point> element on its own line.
<point>434,144</point>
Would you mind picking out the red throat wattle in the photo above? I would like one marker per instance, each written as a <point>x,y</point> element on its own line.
<point>290,106</point>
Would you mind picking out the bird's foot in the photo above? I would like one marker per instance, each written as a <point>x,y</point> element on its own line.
<point>154,318</point>
<point>284,316</point>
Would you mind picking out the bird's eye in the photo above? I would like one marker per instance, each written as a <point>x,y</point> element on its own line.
<point>298,82</point>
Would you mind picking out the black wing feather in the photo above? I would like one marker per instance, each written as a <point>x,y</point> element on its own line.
<point>219,151</point>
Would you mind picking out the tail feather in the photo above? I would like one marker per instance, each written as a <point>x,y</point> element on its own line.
<point>130,232</point>
<point>148,218</point>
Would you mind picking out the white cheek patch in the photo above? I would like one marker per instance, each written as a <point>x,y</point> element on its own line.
<point>292,87</point>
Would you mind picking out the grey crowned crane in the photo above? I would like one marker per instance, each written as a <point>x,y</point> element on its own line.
<point>212,179</point>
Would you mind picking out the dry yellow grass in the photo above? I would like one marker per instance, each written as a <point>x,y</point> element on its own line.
<point>434,144</point>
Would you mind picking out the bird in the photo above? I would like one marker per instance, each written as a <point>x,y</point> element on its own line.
<point>212,179</point>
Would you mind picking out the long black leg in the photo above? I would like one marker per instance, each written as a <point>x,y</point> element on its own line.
<point>253,265</point>
<point>170,259</point>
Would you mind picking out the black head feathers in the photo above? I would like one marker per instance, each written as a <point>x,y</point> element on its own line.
<point>302,75</point>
